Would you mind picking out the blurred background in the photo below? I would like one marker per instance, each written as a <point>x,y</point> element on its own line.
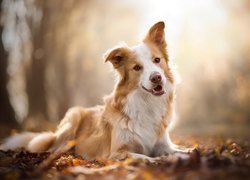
<point>51,59</point>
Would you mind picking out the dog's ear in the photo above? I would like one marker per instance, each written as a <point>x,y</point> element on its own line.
<point>156,35</point>
<point>117,56</point>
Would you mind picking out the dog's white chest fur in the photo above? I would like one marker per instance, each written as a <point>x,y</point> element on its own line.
<point>145,112</point>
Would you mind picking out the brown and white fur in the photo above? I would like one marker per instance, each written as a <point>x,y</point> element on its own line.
<point>134,119</point>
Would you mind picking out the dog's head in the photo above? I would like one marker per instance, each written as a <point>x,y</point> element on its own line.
<point>145,66</point>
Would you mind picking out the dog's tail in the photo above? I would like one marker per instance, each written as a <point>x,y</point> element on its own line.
<point>33,142</point>
<point>48,141</point>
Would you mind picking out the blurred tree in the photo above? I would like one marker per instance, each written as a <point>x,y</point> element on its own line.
<point>35,72</point>
<point>54,52</point>
<point>49,63</point>
<point>7,115</point>
<point>61,38</point>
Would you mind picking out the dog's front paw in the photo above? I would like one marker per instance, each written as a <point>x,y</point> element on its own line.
<point>183,150</point>
<point>120,156</point>
<point>162,151</point>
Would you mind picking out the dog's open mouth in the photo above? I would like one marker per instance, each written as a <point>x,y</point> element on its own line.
<point>157,90</point>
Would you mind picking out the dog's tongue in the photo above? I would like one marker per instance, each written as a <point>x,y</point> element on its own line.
<point>158,88</point>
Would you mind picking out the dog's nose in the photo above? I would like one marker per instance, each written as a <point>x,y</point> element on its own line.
<point>155,77</point>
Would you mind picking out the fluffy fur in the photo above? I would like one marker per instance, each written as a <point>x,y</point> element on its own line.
<point>134,119</point>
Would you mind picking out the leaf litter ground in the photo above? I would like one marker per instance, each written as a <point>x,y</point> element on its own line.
<point>212,158</point>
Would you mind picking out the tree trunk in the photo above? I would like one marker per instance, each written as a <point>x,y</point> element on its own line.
<point>37,117</point>
<point>7,114</point>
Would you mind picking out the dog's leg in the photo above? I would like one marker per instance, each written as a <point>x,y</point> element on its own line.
<point>165,146</point>
<point>68,127</point>
<point>127,148</point>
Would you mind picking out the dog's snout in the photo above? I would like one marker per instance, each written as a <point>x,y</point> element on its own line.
<point>155,77</point>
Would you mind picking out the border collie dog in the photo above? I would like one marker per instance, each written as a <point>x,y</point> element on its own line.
<point>135,117</point>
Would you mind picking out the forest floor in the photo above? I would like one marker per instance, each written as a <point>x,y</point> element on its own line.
<point>213,158</point>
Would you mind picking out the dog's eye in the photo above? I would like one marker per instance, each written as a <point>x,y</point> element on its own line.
<point>157,60</point>
<point>137,67</point>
